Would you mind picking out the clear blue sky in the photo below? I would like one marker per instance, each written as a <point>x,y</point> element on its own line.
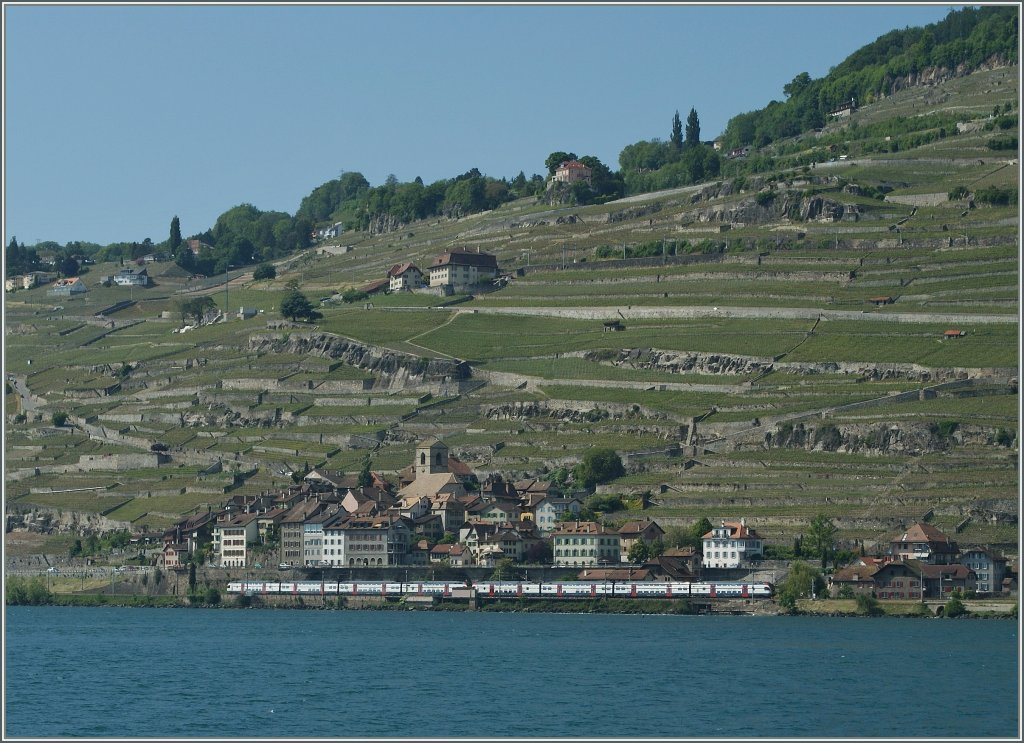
<point>117,118</point>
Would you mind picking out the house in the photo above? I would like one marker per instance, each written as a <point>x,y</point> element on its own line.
<point>632,532</point>
<point>232,537</point>
<point>584,543</point>
<point>860,579</point>
<point>174,555</point>
<point>368,500</point>
<point>844,109</point>
<point>193,531</point>
<point>430,525</point>
<point>67,287</point>
<point>457,555</point>
<point>365,541</point>
<point>375,286</point>
<point>197,245</point>
<point>941,580</point>
<point>505,542</point>
<point>313,535</point>
<point>28,281</point>
<point>459,270</point>
<point>731,544</point>
<point>989,568</point>
<point>954,333</point>
<point>419,553</point>
<point>553,509</point>
<point>879,301</point>
<point>335,230</point>
<point>898,580</point>
<point>292,528</point>
<point>925,543</point>
<point>571,171</point>
<point>473,533</point>
<point>738,152</point>
<point>611,326</point>
<point>131,277</point>
<point>245,313</point>
<point>676,564</point>
<point>498,510</point>
<point>405,277</point>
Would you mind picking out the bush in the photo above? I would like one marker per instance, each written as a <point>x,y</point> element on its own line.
<point>264,271</point>
<point>995,196</point>
<point>354,295</point>
<point>958,193</point>
<point>59,418</point>
<point>868,605</point>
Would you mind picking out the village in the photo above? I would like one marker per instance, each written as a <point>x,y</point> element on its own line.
<point>438,515</point>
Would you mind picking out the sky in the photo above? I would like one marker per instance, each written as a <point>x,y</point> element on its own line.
<point>119,117</point>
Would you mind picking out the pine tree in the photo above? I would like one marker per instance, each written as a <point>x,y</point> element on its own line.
<point>677,132</point>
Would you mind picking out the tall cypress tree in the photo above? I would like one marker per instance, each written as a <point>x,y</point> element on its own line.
<point>692,129</point>
<point>677,132</point>
<point>175,239</point>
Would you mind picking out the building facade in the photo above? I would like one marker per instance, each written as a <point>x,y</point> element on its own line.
<point>730,544</point>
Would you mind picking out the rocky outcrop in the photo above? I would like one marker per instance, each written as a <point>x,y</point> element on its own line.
<point>634,213</point>
<point>388,364</point>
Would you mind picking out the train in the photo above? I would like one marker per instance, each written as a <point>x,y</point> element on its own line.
<point>507,589</point>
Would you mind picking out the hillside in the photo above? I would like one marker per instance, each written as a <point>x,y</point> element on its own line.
<point>783,348</point>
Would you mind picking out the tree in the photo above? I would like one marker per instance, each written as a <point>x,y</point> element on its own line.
<point>174,239</point>
<point>802,581</point>
<point>296,306</point>
<point>598,466</point>
<point>699,529</point>
<point>797,86</point>
<point>59,418</point>
<point>68,266</point>
<point>676,138</point>
<point>638,553</point>
<point>954,606</point>
<point>192,577</point>
<point>503,569</point>
<point>692,129</point>
<point>821,535</point>
<point>365,477</point>
<point>557,158</point>
<point>264,271</point>
<point>195,308</point>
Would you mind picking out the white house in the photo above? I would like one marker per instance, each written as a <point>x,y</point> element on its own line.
<point>405,277</point>
<point>730,544</point>
<point>131,277</point>
<point>549,511</point>
<point>232,537</point>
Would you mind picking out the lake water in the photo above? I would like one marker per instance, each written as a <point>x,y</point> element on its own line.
<point>109,672</point>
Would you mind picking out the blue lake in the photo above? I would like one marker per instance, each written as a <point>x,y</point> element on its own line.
<point>109,672</point>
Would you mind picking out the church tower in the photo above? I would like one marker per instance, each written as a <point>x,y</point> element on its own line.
<point>431,457</point>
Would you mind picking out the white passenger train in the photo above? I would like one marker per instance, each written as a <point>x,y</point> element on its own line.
<point>507,589</point>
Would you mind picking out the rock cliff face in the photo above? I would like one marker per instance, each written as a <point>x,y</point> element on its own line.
<point>681,362</point>
<point>392,367</point>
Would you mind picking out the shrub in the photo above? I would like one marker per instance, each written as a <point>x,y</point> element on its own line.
<point>960,192</point>
<point>868,605</point>
<point>264,271</point>
<point>59,418</point>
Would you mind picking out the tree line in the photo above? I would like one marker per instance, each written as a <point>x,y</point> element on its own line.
<point>967,38</point>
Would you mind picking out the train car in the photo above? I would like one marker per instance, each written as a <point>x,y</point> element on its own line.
<point>566,589</point>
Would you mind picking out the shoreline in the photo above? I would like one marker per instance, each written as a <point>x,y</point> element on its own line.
<point>650,607</point>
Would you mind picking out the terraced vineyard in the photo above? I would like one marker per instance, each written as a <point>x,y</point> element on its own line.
<point>783,354</point>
